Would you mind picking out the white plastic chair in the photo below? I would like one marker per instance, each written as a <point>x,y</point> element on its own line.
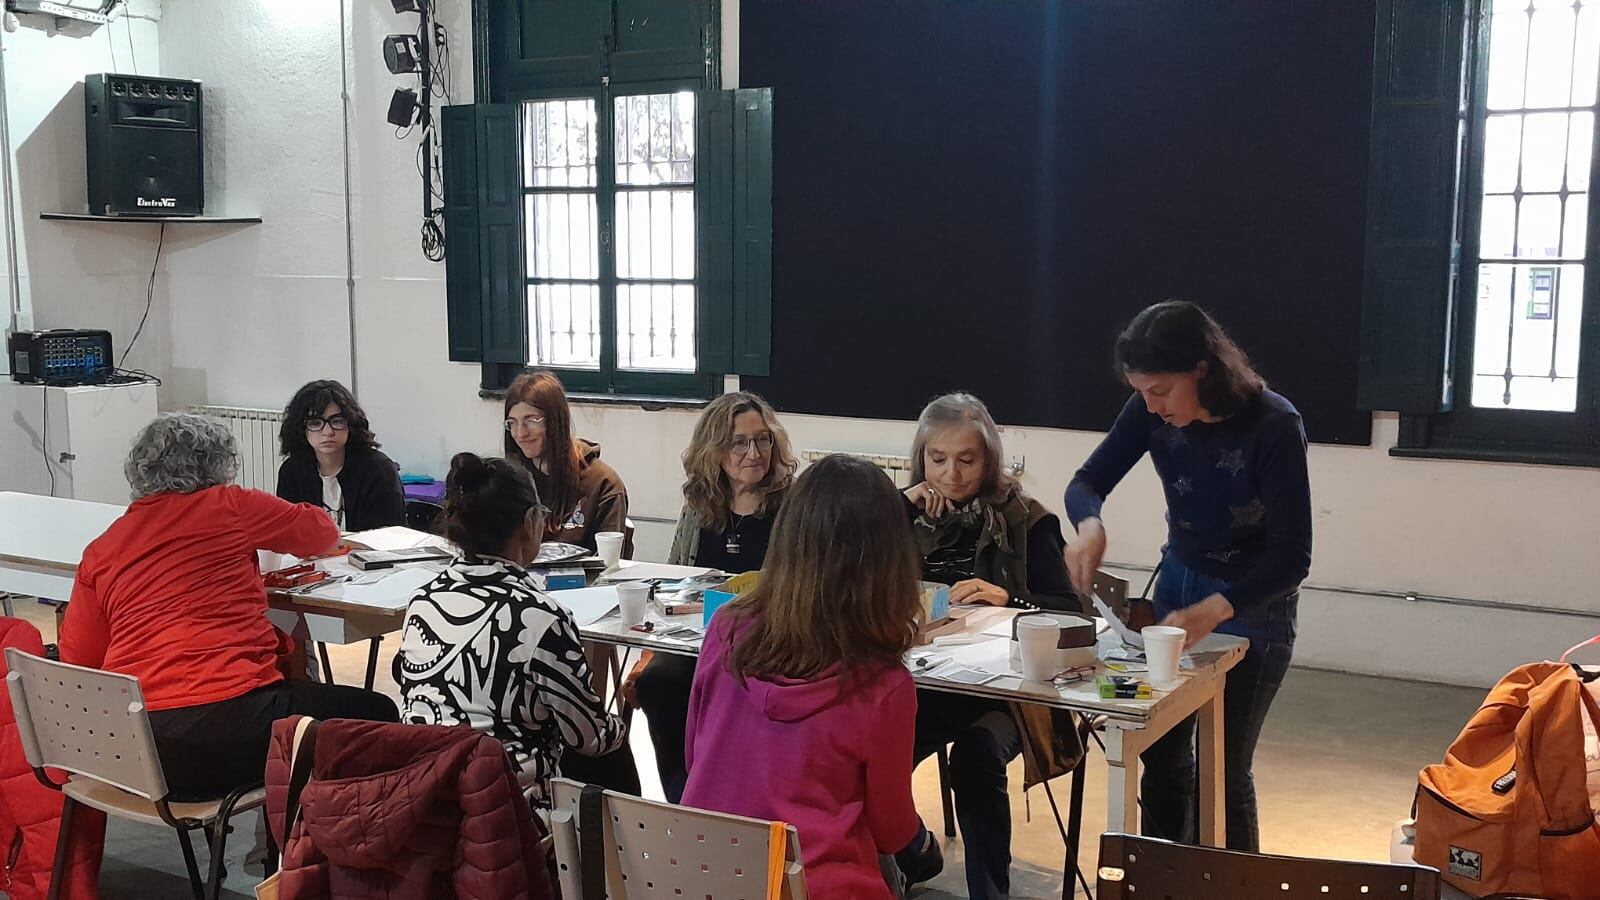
<point>657,849</point>
<point>94,725</point>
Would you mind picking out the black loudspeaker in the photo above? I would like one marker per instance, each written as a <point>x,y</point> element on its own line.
<point>144,141</point>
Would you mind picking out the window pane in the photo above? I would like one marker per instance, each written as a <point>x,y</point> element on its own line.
<point>655,327</point>
<point>1586,62</point>
<point>1539,227</point>
<point>565,236</point>
<point>1525,351</point>
<point>1577,226</point>
<point>1499,227</point>
<point>1550,57</point>
<point>655,234</point>
<point>655,139</point>
<point>1508,47</point>
<point>1579,143</point>
<point>1502,148</point>
<point>558,143</point>
<point>564,325</point>
<point>1544,151</point>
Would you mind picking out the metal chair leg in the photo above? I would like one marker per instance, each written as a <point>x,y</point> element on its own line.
<point>218,838</point>
<point>58,871</point>
<point>372,661</point>
<point>945,792</point>
<point>189,863</point>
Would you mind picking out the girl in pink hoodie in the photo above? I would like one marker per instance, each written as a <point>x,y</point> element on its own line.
<point>802,709</point>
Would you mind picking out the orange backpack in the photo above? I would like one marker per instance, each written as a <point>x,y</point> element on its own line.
<point>1508,810</point>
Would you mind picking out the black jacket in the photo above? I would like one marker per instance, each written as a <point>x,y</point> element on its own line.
<point>370,481</point>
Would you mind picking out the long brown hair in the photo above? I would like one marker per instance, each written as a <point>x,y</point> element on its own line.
<point>1177,336</point>
<point>839,587</point>
<point>562,454</point>
<point>706,489</point>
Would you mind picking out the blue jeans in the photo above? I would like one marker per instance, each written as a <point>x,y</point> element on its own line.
<point>1167,789</point>
<point>984,739</point>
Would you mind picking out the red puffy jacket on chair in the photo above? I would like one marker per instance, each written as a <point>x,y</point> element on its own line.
<point>30,813</point>
<point>404,811</point>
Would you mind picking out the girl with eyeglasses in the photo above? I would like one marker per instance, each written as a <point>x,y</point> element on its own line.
<point>737,468</point>
<point>585,495</point>
<point>332,460</point>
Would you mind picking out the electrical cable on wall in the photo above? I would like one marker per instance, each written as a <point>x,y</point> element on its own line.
<point>149,292</point>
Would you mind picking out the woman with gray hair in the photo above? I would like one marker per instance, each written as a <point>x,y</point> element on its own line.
<point>980,533</point>
<point>171,594</point>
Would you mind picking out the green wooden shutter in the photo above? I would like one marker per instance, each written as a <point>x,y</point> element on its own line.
<point>714,214</point>
<point>462,265</point>
<point>562,43</point>
<point>484,282</point>
<point>752,231</point>
<point>1414,177</point>
<point>662,40</point>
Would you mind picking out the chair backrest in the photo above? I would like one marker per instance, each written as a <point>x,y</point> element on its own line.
<point>660,850</point>
<point>423,515</point>
<point>1139,868</point>
<point>85,721</point>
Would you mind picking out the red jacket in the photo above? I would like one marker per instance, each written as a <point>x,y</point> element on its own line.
<point>30,813</point>
<point>171,594</point>
<point>404,811</point>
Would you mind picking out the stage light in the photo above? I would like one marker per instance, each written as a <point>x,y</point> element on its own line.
<point>404,111</point>
<point>402,53</point>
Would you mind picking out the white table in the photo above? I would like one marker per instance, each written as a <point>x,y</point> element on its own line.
<point>1131,726</point>
<point>43,538</point>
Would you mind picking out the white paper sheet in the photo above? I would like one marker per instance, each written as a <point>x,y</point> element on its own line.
<point>589,605</point>
<point>393,591</point>
<point>1126,634</point>
<point>396,537</point>
<point>631,570</point>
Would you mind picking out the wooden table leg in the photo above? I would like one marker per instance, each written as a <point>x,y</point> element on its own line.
<point>1122,782</point>
<point>1213,811</point>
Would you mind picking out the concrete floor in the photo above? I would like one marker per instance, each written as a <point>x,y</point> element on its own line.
<point>1336,768</point>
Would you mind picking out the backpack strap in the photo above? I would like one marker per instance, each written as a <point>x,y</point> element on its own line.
<point>591,842</point>
<point>1579,646</point>
<point>777,859</point>
<point>301,756</point>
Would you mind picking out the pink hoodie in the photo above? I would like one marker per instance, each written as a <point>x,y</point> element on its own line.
<point>836,767</point>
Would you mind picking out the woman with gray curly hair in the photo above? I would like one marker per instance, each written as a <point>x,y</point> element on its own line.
<point>171,594</point>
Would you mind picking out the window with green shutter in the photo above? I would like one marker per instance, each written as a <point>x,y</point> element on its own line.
<point>643,201</point>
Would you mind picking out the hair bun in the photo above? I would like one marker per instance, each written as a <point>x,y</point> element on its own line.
<point>468,472</point>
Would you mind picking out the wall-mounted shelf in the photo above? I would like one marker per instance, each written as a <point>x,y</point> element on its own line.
<point>176,220</point>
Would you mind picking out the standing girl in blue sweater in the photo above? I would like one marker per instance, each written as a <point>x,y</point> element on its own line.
<point>1231,456</point>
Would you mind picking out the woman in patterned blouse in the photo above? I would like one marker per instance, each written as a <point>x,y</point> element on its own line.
<point>486,648</point>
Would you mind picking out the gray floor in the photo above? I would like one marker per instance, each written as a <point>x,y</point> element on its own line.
<point>1335,769</point>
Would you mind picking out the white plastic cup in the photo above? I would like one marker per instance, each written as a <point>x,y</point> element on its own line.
<point>1038,638</point>
<point>633,597</point>
<point>1163,648</point>
<point>609,545</point>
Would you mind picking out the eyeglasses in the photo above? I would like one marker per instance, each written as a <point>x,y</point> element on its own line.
<point>742,445</point>
<point>526,423</point>
<point>316,423</point>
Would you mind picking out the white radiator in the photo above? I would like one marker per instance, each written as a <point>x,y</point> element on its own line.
<point>898,467</point>
<point>256,432</point>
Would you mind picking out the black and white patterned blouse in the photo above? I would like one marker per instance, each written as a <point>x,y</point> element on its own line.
<point>484,647</point>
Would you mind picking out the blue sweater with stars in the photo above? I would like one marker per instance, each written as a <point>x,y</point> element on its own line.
<point>1238,495</point>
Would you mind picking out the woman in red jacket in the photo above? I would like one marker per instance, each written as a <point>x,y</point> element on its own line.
<point>171,594</point>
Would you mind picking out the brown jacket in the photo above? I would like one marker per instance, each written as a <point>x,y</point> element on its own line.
<point>404,812</point>
<point>602,504</point>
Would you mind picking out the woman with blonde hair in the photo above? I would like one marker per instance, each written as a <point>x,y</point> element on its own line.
<point>737,468</point>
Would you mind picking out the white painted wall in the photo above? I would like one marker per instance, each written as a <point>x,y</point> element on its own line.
<point>79,275</point>
<point>258,311</point>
